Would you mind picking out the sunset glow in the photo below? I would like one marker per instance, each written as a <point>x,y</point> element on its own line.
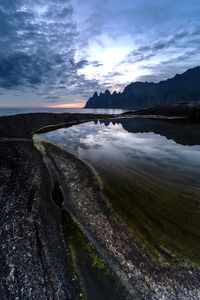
<point>68,105</point>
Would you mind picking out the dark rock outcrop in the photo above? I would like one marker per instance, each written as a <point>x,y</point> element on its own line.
<point>139,95</point>
<point>189,112</point>
<point>24,125</point>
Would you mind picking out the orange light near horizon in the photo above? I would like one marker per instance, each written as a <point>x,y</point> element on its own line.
<point>68,105</point>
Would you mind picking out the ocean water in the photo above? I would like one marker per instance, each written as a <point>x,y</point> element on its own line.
<point>16,111</point>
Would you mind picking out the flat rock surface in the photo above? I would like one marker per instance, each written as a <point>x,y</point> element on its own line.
<point>33,262</point>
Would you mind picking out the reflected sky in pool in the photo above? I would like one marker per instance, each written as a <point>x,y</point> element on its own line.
<point>148,152</point>
<point>151,174</point>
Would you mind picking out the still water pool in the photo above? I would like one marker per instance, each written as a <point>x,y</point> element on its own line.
<point>151,174</point>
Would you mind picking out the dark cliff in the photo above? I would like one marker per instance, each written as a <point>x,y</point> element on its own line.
<point>139,95</point>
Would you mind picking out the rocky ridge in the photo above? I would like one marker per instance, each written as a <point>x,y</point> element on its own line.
<point>139,95</point>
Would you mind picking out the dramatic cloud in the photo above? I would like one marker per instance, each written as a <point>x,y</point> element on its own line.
<point>62,51</point>
<point>36,42</point>
<point>37,49</point>
<point>133,40</point>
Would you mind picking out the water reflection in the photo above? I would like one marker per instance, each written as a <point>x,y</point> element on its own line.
<point>143,150</point>
<point>181,133</point>
<point>151,174</point>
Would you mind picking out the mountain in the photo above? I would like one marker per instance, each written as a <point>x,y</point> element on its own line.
<point>138,95</point>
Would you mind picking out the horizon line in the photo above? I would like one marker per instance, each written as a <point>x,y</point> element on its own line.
<point>69,105</point>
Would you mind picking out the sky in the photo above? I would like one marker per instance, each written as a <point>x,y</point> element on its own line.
<point>59,52</point>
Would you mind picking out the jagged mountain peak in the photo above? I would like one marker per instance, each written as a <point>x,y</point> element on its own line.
<point>138,95</point>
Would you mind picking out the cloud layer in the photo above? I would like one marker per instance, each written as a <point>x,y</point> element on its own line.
<point>62,51</point>
<point>37,49</point>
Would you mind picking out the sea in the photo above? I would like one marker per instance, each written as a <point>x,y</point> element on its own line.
<point>17,111</point>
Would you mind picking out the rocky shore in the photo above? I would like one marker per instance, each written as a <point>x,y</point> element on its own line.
<point>189,112</point>
<point>34,263</point>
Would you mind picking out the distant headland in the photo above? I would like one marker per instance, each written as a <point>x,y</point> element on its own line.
<point>139,95</point>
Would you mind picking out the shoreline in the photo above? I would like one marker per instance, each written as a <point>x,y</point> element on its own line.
<point>96,217</point>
